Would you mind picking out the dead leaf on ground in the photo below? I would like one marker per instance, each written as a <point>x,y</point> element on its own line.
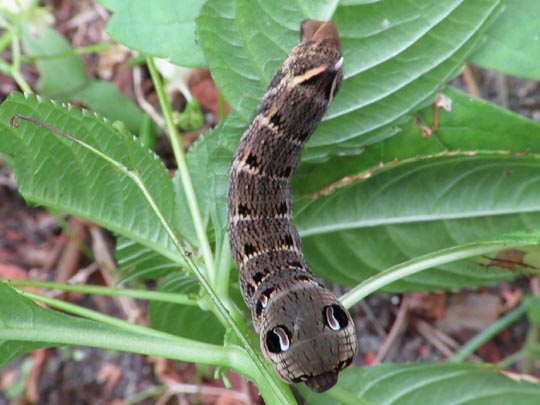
<point>11,271</point>
<point>109,374</point>
<point>473,312</point>
<point>203,88</point>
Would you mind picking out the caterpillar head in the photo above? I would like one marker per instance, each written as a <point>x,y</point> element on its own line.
<point>317,62</point>
<point>306,333</point>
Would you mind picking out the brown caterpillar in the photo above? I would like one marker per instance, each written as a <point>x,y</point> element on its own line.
<point>304,330</point>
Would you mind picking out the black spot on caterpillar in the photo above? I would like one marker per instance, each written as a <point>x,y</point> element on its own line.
<point>304,330</point>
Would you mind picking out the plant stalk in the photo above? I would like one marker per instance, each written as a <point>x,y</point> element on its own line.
<point>180,156</point>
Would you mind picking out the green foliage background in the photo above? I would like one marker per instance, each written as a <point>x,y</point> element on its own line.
<point>475,179</point>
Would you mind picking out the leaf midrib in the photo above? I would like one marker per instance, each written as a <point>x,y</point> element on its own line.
<point>403,220</point>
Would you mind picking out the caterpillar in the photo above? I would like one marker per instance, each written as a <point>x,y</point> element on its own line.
<point>304,331</point>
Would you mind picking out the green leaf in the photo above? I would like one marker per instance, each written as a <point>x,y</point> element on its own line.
<point>181,320</point>
<point>513,42</point>
<point>91,186</point>
<point>63,77</point>
<point>475,124</point>
<point>11,349</point>
<point>62,71</point>
<point>20,314</point>
<point>224,28</point>
<point>138,261</point>
<point>508,249</point>
<point>399,38</point>
<point>209,161</point>
<point>472,124</point>
<point>357,253</point>
<point>427,384</point>
<point>105,99</point>
<point>113,5</point>
<point>25,326</point>
<point>192,118</point>
<point>417,207</point>
<point>246,42</point>
<point>395,60</point>
<point>161,28</point>
<point>533,311</point>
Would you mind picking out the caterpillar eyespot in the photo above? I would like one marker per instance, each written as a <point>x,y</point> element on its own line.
<point>277,340</point>
<point>335,317</point>
<point>304,331</point>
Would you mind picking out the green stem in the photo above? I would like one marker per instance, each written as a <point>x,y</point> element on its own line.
<point>5,68</point>
<point>174,298</point>
<point>132,174</point>
<point>270,382</point>
<point>225,310</point>
<point>223,265</point>
<point>97,316</point>
<point>21,82</point>
<point>5,39</point>
<point>195,351</point>
<point>422,263</point>
<point>140,339</point>
<point>192,351</point>
<point>513,358</point>
<point>221,105</point>
<point>232,357</point>
<point>180,157</point>
<point>172,348</point>
<point>472,345</point>
<point>15,52</point>
<point>83,50</point>
<point>16,65</point>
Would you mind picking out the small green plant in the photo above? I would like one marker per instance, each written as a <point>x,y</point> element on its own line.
<point>449,202</point>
